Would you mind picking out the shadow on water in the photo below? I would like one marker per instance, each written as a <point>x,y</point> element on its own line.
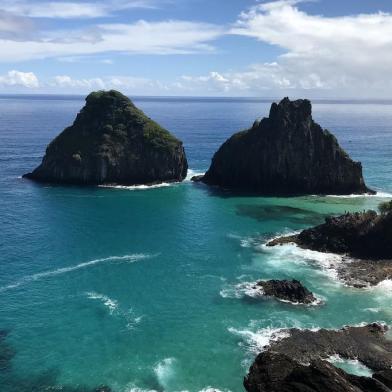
<point>263,213</point>
<point>10,381</point>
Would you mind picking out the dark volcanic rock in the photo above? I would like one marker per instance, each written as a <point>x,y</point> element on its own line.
<point>272,372</point>
<point>362,235</point>
<point>366,236</point>
<point>287,290</point>
<point>298,363</point>
<point>286,153</point>
<point>112,142</point>
<point>385,376</point>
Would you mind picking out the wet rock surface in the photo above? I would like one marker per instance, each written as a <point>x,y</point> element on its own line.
<point>298,362</point>
<point>112,142</point>
<point>285,154</point>
<point>287,290</point>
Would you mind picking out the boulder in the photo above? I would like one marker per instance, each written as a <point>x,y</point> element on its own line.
<point>287,290</point>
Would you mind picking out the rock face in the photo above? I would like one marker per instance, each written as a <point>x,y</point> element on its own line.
<point>298,363</point>
<point>287,290</point>
<point>112,142</point>
<point>285,154</point>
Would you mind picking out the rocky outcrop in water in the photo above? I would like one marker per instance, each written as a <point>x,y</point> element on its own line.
<point>112,142</point>
<point>366,236</point>
<point>297,363</point>
<point>285,154</point>
<point>287,290</point>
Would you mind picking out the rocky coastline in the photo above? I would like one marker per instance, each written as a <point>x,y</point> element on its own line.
<point>112,142</point>
<point>299,362</point>
<point>364,239</point>
<point>287,153</point>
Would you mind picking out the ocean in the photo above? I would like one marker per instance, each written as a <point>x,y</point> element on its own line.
<point>148,289</point>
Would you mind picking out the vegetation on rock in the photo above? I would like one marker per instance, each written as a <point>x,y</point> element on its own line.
<point>112,141</point>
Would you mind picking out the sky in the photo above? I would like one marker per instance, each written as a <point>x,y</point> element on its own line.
<point>248,48</point>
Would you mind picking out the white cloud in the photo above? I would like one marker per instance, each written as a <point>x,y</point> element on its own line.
<point>127,84</point>
<point>167,37</point>
<point>348,55</point>
<point>19,79</point>
<point>71,9</point>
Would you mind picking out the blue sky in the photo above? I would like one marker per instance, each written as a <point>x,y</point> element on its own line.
<point>324,48</point>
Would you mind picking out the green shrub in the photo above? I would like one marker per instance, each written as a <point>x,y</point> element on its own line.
<point>385,207</point>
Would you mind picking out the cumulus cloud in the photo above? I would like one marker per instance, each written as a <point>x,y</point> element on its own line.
<point>142,37</point>
<point>345,54</point>
<point>71,9</point>
<point>19,79</point>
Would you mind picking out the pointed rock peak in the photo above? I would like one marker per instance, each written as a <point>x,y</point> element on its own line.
<point>294,111</point>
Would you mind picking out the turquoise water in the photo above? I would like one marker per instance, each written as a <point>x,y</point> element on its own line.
<point>143,290</point>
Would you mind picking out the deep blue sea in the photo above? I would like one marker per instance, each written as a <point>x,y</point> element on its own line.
<point>145,289</point>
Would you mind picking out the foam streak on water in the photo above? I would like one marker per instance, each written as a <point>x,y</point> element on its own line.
<point>64,270</point>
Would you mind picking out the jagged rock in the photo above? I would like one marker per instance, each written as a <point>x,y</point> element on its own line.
<point>284,154</point>
<point>287,290</point>
<point>297,363</point>
<point>112,142</point>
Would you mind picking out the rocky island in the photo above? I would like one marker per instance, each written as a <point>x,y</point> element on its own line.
<point>300,361</point>
<point>364,237</point>
<point>112,142</point>
<point>287,153</point>
<point>286,290</point>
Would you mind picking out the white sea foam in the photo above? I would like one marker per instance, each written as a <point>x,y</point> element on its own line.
<point>42,275</point>
<point>260,340</point>
<point>165,372</point>
<point>352,366</point>
<point>111,304</point>
<point>139,187</point>
<point>192,173</point>
<point>329,262</point>
<point>143,187</point>
<point>116,310</point>
<point>385,286</point>
<point>354,196</point>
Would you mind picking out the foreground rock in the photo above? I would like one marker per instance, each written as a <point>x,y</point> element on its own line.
<point>285,154</point>
<point>279,373</point>
<point>112,142</point>
<point>365,236</point>
<point>287,290</point>
<point>298,362</point>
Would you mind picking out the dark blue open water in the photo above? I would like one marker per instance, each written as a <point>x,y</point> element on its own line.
<point>141,289</point>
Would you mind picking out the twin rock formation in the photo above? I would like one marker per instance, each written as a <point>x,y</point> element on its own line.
<point>113,142</point>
